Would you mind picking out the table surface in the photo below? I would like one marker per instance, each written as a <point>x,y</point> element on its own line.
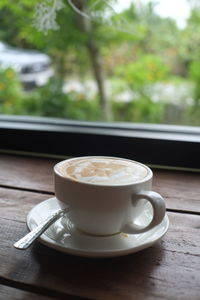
<point>168,270</point>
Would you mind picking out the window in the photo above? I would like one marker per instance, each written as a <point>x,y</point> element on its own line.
<point>151,70</point>
<point>162,145</point>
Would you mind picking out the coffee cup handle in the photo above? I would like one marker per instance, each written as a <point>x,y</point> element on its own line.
<point>158,205</point>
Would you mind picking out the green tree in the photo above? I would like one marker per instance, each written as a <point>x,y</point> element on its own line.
<point>76,39</point>
<point>192,52</point>
<point>149,69</point>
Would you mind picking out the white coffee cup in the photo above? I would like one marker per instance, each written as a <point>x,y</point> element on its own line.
<point>106,195</point>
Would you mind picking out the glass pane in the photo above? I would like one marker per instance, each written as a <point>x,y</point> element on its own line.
<point>126,61</point>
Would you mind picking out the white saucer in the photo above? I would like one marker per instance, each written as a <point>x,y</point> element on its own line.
<point>69,240</point>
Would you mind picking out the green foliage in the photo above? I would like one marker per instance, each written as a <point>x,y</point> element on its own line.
<point>147,70</point>
<point>10,92</point>
<point>140,110</point>
<point>51,101</point>
<point>15,21</point>
<point>194,73</point>
<point>138,76</point>
<point>139,48</point>
<point>48,101</point>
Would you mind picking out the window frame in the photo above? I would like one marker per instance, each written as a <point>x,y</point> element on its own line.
<point>153,144</point>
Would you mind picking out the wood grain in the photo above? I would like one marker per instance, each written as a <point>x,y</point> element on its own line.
<point>181,190</point>
<point>27,172</point>
<point>168,270</point>
<point>15,204</point>
<point>10,293</point>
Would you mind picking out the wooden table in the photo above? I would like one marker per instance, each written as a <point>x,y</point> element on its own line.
<point>168,270</point>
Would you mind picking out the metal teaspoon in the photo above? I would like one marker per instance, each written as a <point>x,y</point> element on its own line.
<point>29,238</point>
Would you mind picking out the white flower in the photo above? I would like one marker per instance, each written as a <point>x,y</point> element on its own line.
<point>46,10</point>
<point>45,15</point>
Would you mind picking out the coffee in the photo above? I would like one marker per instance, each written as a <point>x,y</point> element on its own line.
<point>107,195</point>
<point>103,170</point>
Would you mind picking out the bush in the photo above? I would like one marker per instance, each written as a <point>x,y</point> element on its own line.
<point>194,74</point>
<point>51,101</point>
<point>140,110</point>
<point>11,92</point>
<point>147,70</point>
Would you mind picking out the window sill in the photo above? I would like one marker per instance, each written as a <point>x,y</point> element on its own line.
<point>166,145</point>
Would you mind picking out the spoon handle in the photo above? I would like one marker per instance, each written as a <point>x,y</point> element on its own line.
<point>28,239</point>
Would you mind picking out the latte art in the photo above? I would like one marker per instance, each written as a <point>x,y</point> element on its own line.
<point>105,171</point>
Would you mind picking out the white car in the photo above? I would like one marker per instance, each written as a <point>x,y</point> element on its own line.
<point>34,68</point>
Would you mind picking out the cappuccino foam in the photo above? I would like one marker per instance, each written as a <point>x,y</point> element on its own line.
<point>105,171</point>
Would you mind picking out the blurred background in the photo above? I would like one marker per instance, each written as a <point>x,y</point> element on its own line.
<point>95,60</point>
